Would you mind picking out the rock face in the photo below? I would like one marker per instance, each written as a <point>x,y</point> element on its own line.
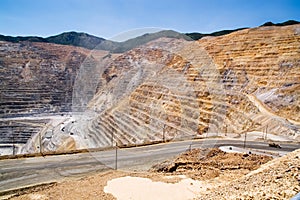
<point>36,79</point>
<point>260,69</point>
<point>264,63</point>
<point>158,92</point>
<point>173,89</point>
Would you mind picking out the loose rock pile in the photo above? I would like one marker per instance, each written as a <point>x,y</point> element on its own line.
<point>277,179</point>
<point>204,164</point>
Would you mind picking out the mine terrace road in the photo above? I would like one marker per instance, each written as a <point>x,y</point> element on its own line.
<point>18,173</point>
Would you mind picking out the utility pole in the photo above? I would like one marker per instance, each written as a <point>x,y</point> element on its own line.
<point>245,140</point>
<point>116,159</point>
<point>112,138</point>
<point>11,134</point>
<point>247,128</point>
<point>164,133</point>
<point>13,141</point>
<point>14,150</point>
<point>40,142</point>
<point>266,132</point>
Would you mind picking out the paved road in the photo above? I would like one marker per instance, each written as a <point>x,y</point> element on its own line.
<point>16,173</point>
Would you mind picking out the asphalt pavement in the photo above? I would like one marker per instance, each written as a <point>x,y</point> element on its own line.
<point>25,172</point>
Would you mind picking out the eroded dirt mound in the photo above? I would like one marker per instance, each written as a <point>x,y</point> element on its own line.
<point>210,163</point>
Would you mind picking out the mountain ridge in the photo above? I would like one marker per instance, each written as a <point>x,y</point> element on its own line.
<point>88,41</point>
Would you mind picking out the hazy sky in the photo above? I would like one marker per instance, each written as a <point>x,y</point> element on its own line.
<point>112,17</point>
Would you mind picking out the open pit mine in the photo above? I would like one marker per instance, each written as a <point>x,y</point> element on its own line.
<point>62,98</point>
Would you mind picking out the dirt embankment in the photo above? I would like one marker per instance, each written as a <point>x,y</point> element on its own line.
<point>204,164</point>
<point>277,179</point>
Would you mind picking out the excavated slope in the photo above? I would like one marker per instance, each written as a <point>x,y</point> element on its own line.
<point>173,89</point>
<point>36,79</point>
<point>265,62</point>
<point>260,66</point>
